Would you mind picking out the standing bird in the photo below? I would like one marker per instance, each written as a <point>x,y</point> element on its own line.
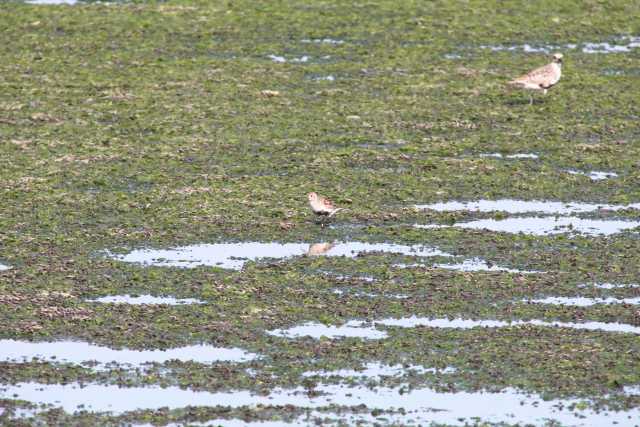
<point>543,78</point>
<point>322,206</point>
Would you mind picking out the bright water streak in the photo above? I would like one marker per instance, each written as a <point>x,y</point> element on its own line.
<point>360,329</point>
<point>524,206</point>
<point>144,299</point>
<point>234,255</point>
<point>376,370</point>
<point>52,1</point>
<point>81,352</point>
<point>508,405</point>
<point>351,329</point>
<point>511,156</point>
<point>413,321</point>
<point>583,301</point>
<point>542,226</point>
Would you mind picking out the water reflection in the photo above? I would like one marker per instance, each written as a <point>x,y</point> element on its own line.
<point>412,405</point>
<point>144,300</point>
<point>234,255</point>
<point>79,352</point>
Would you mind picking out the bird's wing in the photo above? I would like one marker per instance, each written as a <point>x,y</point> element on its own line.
<point>328,203</point>
<point>540,76</point>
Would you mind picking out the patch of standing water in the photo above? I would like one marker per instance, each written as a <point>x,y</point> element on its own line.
<point>413,321</point>
<point>144,299</point>
<point>234,255</point>
<point>52,1</point>
<point>367,279</point>
<point>282,59</point>
<point>511,156</point>
<point>630,42</point>
<point>323,41</point>
<point>594,175</point>
<point>469,265</point>
<point>360,329</point>
<point>419,405</point>
<point>351,329</point>
<point>526,47</point>
<point>477,264</point>
<point>85,353</point>
<point>303,421</point>
<point>358,294</point>
<point>608,285</point>
<point>621,44</point>
<point>542,226</point>
<point>583,301</point>
<point>376,370</point>
<point>512,206</point>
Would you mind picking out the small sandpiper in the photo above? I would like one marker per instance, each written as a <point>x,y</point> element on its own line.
<point>543,78</point>
<point>322,206</point>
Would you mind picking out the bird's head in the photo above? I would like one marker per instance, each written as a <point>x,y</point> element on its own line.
<point>557,58</point>
<point>312,196</point>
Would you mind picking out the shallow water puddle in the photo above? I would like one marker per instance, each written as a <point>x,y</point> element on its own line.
<point>84,353</point>
<point>359,294</point>
<point>52,1</point>
<point>342,277</point>
<point>477,264</point>
<point>511,156</point>
<point>323,41</point>
<point>351,329</point>
<point>376,370</point>
<point>470,265</point>
<point>413,321</point>
<point>234,255</point>
<point>627,43</point>
<point>583,301</point>
<point>608,285</point>
<point>360,329</point>
<point>594,175</point>
<point>303,421</point>
<point>328,78</point>
<point>282,59</point>
<point>144,299</point>
<point>418,404</point>
<point>524,206</point>
<point>542,226</point>
<point>621,44</point>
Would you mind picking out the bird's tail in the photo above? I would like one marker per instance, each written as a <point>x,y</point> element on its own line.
<point>336,211</point>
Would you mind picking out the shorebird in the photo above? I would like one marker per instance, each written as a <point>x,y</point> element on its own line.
<point>322,206</point>
<point>543,78</point>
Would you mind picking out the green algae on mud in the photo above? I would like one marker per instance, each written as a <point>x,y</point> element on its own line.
<point>146,124</point>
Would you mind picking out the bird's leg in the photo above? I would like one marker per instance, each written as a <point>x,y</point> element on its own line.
<point>530,99</point>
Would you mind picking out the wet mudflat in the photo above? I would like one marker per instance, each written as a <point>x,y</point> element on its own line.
<point>159,265</point>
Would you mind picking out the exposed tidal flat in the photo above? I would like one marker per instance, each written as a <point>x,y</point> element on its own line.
<point>159,264</point>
